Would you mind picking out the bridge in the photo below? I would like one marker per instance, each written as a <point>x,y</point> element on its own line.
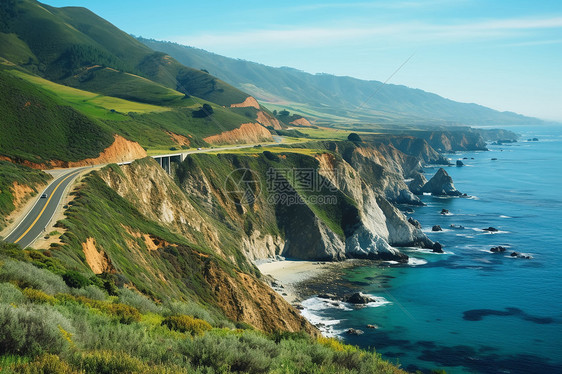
<point>165,160</point>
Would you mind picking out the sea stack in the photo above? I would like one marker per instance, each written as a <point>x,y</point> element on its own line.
<point>416,184</point>
<point>441,185</point>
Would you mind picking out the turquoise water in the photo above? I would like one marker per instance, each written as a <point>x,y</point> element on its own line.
<point>470,310</point>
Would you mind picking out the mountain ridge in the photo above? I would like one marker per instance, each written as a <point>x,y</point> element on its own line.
<point>346,97</point>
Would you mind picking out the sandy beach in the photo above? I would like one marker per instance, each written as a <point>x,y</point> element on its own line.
<point>287,274</point>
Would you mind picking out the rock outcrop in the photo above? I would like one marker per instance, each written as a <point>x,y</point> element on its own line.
<point>416,184</point>
<point>441,184</point>
<point>246,133</point>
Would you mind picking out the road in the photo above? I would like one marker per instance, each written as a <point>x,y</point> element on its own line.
<point>37,219</point>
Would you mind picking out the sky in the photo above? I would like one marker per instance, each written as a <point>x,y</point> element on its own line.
<point>504,54</point>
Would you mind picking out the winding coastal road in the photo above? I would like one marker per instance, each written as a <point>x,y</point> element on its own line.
<point>40,215</point>
<point>37,219</point>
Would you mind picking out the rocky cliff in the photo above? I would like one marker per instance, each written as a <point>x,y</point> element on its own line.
<point>461,139</point>
<point>224,211</point>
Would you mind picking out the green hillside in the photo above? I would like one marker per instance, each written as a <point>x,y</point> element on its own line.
<point>78,80</point>
<point>37,128</point>
<point>338,99</point>
<point>64,44</point>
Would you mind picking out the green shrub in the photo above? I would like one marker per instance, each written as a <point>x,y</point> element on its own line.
<point>90,292</point>
<point>138,301</point>
<point>10,294</point>
<point>183,323</point>
<point>26,275</point>
<point>124,313</point>
<point>31,330</point>
<point>230,353</point>
<point>190,308</point>
<point>45,364</point>
<point>108,362</point>
<point>36,296</point>
<point>75,280</point>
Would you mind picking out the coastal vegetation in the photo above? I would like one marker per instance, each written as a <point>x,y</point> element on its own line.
<point>50,324</point>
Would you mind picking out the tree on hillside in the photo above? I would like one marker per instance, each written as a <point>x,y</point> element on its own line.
<point>354,137</point>
<point>204,111</point>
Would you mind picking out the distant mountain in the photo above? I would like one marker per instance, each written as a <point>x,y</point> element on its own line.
<point>336,98</point>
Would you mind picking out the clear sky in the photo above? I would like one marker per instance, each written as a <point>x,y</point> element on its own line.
<point>505,54</point>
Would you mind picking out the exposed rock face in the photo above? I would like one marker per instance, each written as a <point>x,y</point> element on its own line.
<point>441,184</point>
<point>414,223</point>
<point>463,139</point>
<point>497,249</point>
<point>417,183</point>
<point>460,163</point>
<point>371,226</point>
<point>418,148</point>
<point>120,150</point>
<point>301,122</point>
<point>249,102</point>
<point>358,298</point>
<point>246,133</point>
<point>437,247</point>
<point>266,120</point>
<point>436,228</point>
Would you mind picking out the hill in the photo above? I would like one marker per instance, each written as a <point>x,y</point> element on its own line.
<point>338,99</point>
<point>78,81</point>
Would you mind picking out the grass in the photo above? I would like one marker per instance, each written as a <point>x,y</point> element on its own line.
<point>126,86</point>
<point>36,127</point>
<point>90,103</point>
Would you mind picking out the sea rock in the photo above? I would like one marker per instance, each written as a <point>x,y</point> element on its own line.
<point>494,159</point>
<point>460,163</point>
<point>436,228</point>
<point>365,244</point>
<point>417,183</point>
<point>497,249</point>
<point>460,227</point>
<point>444,211</point>
<point>415,223</point>
<point>358,298</point>
<point>514,254</point>
<point>437,247</point>
<point>441,184</point>
<point>353,331</point>
<point>491,229</point>
<point>329,296</point>
<point>372,326</point>
<point>535,139</point>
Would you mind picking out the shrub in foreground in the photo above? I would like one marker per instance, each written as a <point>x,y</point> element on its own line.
<point>31,330</point>
<point>187,324</point>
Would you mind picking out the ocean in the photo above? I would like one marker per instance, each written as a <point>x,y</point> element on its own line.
<point>470,310</point>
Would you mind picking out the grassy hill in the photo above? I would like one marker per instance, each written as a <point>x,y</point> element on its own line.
<point>37,128</point>
<point>338,99</point>
<point>63,44</point>
<point>78,80</point>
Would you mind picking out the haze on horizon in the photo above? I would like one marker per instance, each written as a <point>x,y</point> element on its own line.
<point>502,54</point>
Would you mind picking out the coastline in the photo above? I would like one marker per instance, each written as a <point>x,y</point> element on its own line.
<point>298,280</point>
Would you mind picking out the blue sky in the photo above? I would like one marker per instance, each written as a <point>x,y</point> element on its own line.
<point>503,54</point>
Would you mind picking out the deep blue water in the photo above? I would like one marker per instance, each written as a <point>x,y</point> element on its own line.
<point>470,310</point>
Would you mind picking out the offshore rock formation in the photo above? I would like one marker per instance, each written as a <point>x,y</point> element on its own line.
<point>441,184</point>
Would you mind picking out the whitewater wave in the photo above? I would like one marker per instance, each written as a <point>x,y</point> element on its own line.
<point>412,261</point>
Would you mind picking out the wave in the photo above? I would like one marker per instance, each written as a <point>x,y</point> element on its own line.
<point>412,261</point>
